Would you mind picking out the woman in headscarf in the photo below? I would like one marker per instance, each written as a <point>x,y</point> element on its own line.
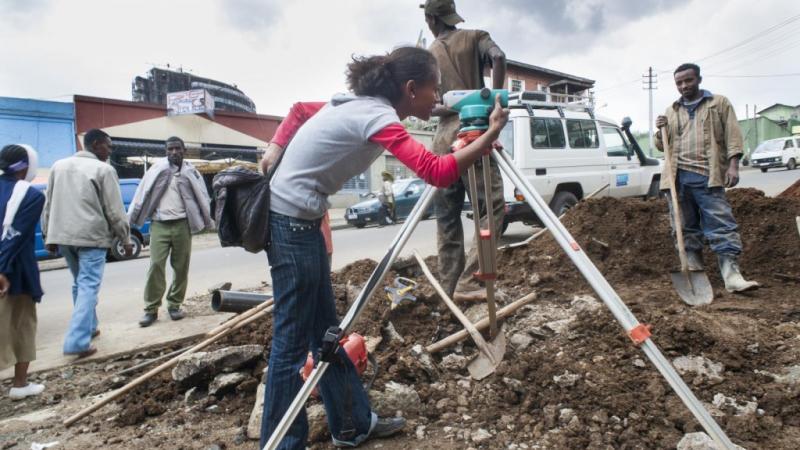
<point>20,289</point>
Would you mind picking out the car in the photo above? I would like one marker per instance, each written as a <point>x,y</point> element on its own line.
<point>781,152</point>
<point>140,237</point>
<point>567,152</point>
<point>406,193</point>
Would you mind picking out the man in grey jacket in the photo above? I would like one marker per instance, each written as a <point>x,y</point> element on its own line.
<point>83,215</point>
<point>173,194</point>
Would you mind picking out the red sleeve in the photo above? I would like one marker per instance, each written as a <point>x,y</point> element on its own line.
<point>298,115</point>
<point>437,170</point>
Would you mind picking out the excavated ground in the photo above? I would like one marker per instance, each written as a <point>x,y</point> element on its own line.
<point>570,378</point>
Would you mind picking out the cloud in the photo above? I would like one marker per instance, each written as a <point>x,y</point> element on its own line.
<point>17,9</point>
<point>252,16</point>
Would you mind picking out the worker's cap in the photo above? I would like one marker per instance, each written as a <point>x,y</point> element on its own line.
<point>443,9</point>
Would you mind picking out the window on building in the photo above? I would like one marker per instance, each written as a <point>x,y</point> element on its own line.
<point>582,133</point>
<point>615,144</point>
<point>357,183</point>
<point>516,85</point>
<point>398,169</point>
<point>547,133</point>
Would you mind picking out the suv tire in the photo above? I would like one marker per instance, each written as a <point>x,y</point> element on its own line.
<point>791,165</point>
<point>563,201</point>
<point>117,253</point>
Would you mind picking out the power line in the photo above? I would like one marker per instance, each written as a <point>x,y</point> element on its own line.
<point>777,75</point>
<point>752,38</point>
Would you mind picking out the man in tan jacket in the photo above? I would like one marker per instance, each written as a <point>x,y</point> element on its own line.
<point>83,214</point>
<point>705,147</point>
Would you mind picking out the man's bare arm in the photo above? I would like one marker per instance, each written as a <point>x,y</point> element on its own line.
<point>498,67</point>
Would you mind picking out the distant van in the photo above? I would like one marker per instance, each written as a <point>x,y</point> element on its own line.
<point>781,152</point>
<point>140,237</point>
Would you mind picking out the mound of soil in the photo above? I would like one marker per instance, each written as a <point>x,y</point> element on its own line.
<point>570,378</point>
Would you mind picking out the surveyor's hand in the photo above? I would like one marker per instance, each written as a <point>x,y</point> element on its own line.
<point>732,175</point>
<point>271,156</point>
<point>499,116</point>
<point>128,248</point>
<point>5,285</point>
<point>661,121</point>
<point>51,248</point>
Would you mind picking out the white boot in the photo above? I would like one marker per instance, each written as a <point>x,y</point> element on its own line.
<point>734,281</point>
<point>695,260</point>
<point>31,389</point>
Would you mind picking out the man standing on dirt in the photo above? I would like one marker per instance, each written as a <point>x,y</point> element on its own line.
<point>706,145</point>
<point>462,56</point>
<point>83,215</point>
<point>174,195</point>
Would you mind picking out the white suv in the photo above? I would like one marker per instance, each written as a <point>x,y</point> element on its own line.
<point>566,153</point>
<point>781,152</point>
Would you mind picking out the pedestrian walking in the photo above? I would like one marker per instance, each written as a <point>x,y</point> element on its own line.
<point>327,149</point>
<point>20,289</point>
<point>386,198</point>
<point>174,195</point>
<point>83,215</point>
<point>463,57</point>
<point>706,144</point>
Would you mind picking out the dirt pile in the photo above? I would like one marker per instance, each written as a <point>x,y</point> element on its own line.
<point>570,377</point>
<point>792,191</point>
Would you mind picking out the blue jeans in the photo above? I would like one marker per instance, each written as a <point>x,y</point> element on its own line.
<point>86,265</point>
<point>706,213</point>
<point>304,309</point>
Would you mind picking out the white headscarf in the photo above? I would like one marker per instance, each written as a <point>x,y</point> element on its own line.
<point>20,189</point>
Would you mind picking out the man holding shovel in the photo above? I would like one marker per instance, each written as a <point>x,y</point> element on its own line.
<point>705,145</point>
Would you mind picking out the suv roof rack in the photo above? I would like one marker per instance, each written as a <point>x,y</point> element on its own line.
<point>531,100</point>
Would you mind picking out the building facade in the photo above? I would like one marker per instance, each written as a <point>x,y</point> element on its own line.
<point>154,88</point>
<point>776,121</point>
<point>561,87</point>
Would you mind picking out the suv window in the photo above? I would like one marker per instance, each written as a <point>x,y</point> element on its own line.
<point>547,133</point>
<point>615,144</point>
<point>789,144</point>
<point>582,133</point>
<point>507,138</point>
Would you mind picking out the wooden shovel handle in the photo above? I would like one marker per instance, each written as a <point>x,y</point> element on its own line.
<point>676,207</point>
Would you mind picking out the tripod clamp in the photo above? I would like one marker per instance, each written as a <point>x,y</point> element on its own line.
<point>330,344</point>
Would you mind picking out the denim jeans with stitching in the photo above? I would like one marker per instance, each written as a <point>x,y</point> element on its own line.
<point>706,214</point>
<point>304,309</point>
<point>86,265</point>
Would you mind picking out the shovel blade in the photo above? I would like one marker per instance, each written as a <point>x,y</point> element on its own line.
<point>693,287</point>
<point>484,365</point>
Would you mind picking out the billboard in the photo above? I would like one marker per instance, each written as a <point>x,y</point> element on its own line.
<point>196,101</point>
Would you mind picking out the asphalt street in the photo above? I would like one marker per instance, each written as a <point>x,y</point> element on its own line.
<point>123,283</point>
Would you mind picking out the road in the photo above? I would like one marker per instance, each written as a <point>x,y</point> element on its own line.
<point>123,283</point>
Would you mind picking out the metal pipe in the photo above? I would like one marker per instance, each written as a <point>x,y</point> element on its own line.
<point>236,301</point>
<point>603,289</point>
<point>372,285</point>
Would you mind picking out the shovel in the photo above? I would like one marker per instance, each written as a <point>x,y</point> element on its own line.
<point>490,354</point>
<point>693,287</point>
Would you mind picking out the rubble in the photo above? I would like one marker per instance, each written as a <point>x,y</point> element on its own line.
<point>197,367</point>
<point>226,382</point>
<point>395,397</point>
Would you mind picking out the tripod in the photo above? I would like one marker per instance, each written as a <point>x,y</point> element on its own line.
<point>639,333</point>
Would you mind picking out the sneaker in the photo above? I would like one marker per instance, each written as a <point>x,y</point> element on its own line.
<point>381,428</point>
<point>176,314</point>
<point>147,319</point>
<point>387,426</point>
<point>19,393</point>
<point>84,354</point>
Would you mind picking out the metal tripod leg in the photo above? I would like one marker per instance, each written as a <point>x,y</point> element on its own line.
<point>624,316</point>
<point>374,281</point>
<point>486,262</point>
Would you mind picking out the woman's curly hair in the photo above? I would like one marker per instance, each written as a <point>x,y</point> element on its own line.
<point>385,75</point>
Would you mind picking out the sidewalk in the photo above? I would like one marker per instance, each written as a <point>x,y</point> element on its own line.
<point>337,218</point>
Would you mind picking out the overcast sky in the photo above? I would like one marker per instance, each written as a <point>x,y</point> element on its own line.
<point>279,52</point>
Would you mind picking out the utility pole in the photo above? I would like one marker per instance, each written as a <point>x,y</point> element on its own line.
<point>650,83</point>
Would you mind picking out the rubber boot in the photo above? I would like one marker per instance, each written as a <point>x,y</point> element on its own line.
<point>734,281</point>
<point>695,261</point>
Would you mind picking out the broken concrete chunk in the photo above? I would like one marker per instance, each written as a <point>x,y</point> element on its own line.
<point>254,423</point>
<point>454,362</point>
<point>317,423</point>
<point>480,435</point>
<point>566,379</point>
<point>395,397</point>
<point>699,441</point>
<point>199,367</point>
<point>425,360</point>
<point>521,341</point>
<point>391,333</point>
<point>585,303</point>
<point>699,365</point>
<point>728,404</point>
<point>193,395</point>
<point>226,382</point>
